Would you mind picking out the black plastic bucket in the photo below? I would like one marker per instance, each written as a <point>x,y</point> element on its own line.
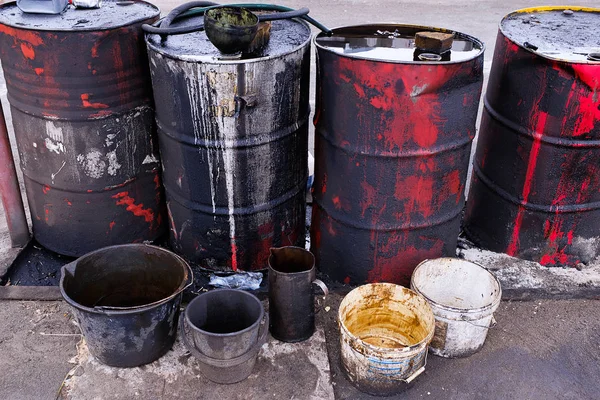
<point>228,328</point>
<point>126,301</point>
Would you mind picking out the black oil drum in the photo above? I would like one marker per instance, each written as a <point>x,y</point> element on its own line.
<point>233,137</point>
<point>81,103</point>
<point>535,190</point>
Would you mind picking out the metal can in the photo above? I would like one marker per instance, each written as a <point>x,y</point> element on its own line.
<point>81,103</point>
<point>535,190</point>
<point>393,140</point>
<point>233,137</point>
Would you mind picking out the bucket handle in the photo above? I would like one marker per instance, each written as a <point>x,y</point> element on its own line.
<point>322,286</point>
<point>417,372</point>
<point>190,281</point>
<point>324,289</point>
<point>262,336</point>
<point>492,325</point>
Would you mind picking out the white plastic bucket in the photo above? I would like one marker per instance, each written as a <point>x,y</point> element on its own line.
<point>384,332</point>
<point>463,296</point>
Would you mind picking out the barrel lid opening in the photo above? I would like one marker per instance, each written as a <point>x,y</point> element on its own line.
<point>112,14</point>
<point>286,36</point>
<point>396,43</point>
<point>564,33</point>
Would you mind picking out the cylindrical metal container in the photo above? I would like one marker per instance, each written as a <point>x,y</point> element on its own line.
<point>79,89</point>
<point>393,138</point>
<point>535,190</point>
<point>384,333</point>
<point>233,137</point>
<point>292,274</point>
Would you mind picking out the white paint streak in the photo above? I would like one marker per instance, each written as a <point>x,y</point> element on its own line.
<point>150,158</point>
<point>113,164</point>
<point>57,172</point>
<point>93,163</point>
<point>54,147</point>
<point>417,90</point>
<point>54,132</point>
<point>109,139</point>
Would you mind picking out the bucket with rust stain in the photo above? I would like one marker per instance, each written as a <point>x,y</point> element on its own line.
<point>385,330</point>
<point>463,296</point>
<point>126,301</point>
<point>228,328</point>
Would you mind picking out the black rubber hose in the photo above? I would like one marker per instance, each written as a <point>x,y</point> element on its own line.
<point>164,28</point>
<point>283,15</point>
<point>177,11</point>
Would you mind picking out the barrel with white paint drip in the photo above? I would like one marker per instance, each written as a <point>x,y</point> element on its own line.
<point>79,90</point>
<point>463,297</point>
<point>233,135</point>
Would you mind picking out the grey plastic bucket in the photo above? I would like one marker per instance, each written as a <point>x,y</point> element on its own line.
<point>463,296</point>
<point>126,301</point>
<point>228,328</point>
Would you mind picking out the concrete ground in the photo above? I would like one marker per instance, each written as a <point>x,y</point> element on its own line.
<point>542,349</point>
<point>547,349</point>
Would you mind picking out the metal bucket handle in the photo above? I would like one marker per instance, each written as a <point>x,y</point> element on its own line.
<point>492,325</point>
<point>262,336</point>
<point>417,372</point>
<point>325,291</point>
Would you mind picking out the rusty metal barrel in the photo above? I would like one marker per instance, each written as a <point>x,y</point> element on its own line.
<point>393,139</point>
<point>535,190</point>
<point>233,135</point>
<point>81,103</point>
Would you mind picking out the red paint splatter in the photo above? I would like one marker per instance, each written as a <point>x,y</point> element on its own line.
<point>111,225</point>
<point>28,51</point>
<point>513,247</point>
<point>45,189</point>
<point>234,262</point>
<point>39,71</point>
<point>138,210</point>
<point>85,97</point>
<point>31,37</point>
<point>347,280</point>
<point>336,202</point>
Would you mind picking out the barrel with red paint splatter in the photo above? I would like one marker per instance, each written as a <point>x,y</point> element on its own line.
<point>81,104</point>
<point>535,190</point>
<point>393,138</point>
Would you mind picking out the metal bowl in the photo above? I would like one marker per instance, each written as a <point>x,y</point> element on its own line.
<point>230,29</point>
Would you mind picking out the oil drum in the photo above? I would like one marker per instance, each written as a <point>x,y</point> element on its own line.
<point>393,138</point>
<point>233,136</point>
<point>81,103</point>
<point>535,189</point>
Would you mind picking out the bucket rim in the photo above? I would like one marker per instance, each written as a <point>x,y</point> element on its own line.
<point>389,352</point>
<point>230,334</point>
<point>276,271</point>
<point>541,9</point>
<point>127,310</point>
<point>492,306</point>
<point>403,62</point>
